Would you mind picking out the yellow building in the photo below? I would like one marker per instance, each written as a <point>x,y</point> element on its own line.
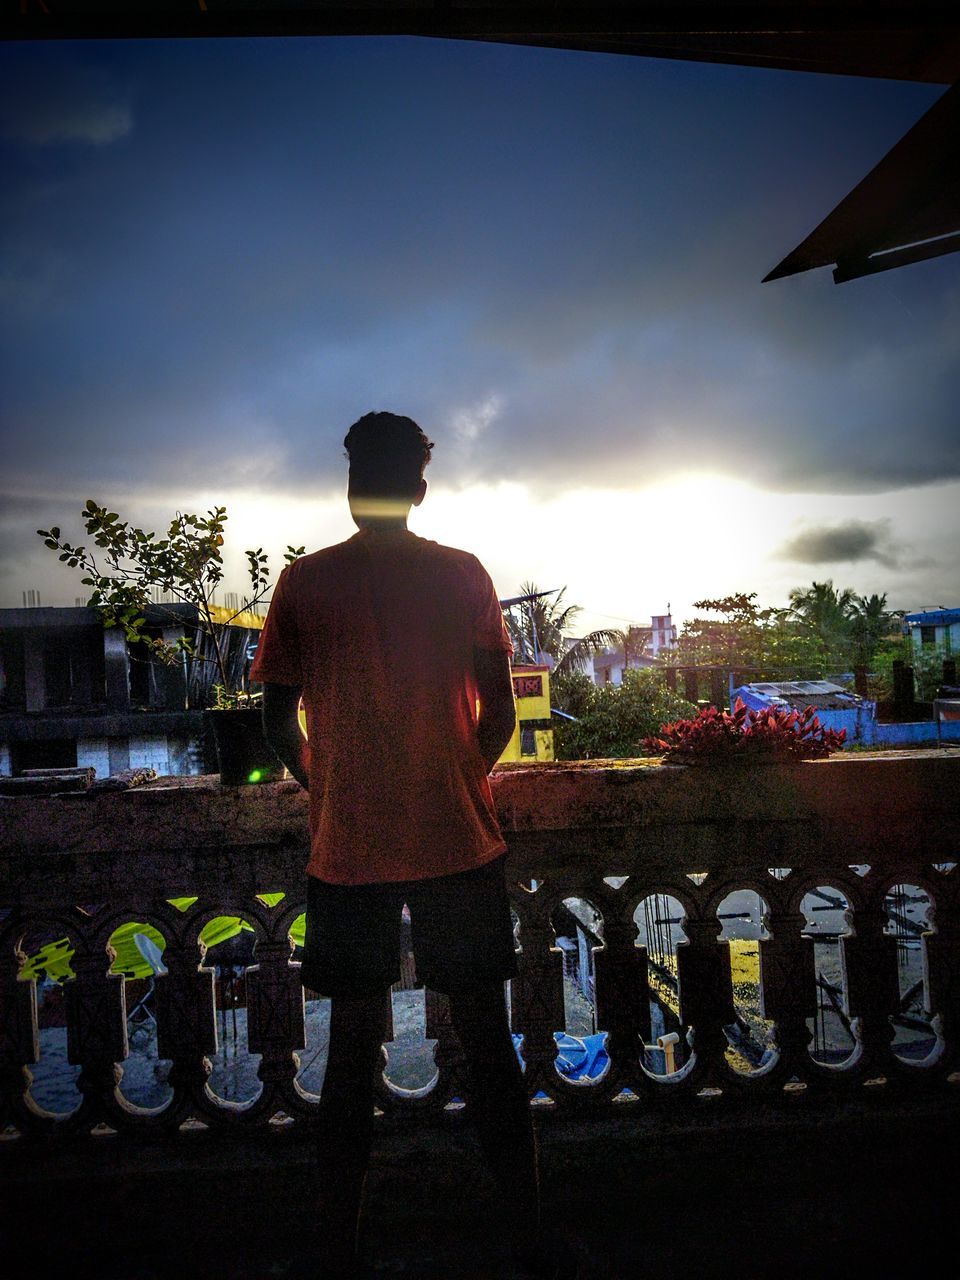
<point>533,736</point>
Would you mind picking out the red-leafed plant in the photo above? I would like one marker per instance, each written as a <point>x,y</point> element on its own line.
<point>742,734</point>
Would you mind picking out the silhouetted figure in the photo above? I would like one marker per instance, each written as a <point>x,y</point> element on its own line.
<point>392,641</point>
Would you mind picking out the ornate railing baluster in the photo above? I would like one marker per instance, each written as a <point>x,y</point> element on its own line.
<point>19,1036</point>
<point>788,988</point>
<point>622,997</point>
<point>873,986</point>
<point>537,1000</point>
<point>275,1015</point>
<point>96,1010</point>
<point>448,1053</point>
<point>942,972</point>
<point>186,1025</point>
<point>706,996</point>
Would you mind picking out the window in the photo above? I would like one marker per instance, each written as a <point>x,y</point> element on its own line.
<point>928,636</point>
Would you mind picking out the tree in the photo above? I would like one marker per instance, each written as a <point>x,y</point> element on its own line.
<point>613,720</point>
<point>539,627</point>
<point>870,625</point>
<point>186,563</point>
<point>827,612</point>
<point>748,639</point>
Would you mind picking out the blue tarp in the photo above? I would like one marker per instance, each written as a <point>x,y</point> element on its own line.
<point>578,1057</point>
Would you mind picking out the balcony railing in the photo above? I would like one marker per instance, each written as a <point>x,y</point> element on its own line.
<point>741,931</point>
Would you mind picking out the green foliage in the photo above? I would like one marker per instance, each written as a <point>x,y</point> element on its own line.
<point>187,563</point>
<point>540,627</point>
<point>927,666</point>
<point>750,640</point>
<point>851,627</point>
<point>612,720</point>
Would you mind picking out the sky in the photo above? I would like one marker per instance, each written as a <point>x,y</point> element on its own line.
<point>216,255</point>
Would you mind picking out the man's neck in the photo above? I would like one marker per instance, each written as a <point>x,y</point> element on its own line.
<point>380,515</point>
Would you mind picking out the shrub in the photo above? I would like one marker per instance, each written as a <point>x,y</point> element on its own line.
<point>744,734</point>
<point>612,720</point>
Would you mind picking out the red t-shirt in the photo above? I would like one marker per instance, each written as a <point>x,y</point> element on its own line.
<point>378,633</point>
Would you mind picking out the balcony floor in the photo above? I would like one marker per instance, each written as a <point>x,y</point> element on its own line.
<point>712,1190</point>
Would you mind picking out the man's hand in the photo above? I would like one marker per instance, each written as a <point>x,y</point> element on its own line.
<point>498,713</point>
<point>281,726</point>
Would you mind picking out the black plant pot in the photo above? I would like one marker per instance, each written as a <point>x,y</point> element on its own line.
<point>242,750</point>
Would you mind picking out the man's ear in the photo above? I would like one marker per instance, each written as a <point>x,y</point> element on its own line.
<point>420,494</point>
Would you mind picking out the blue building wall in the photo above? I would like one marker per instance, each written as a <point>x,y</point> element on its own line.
<point>862,725</point>
<point>916,731</point>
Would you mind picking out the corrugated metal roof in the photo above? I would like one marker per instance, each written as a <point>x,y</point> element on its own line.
<point>822,694</point>
<point>933,617</point>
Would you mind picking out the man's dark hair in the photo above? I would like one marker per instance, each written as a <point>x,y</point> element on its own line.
<point>387,455</point>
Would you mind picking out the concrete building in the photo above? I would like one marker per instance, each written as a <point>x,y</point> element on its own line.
<point>934,629</point>
<point>641,650</point>
<point>840,708</point>
<point>74,693</point>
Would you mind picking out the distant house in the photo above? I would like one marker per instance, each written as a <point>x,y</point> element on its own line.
<point>840,708</point>
<point>837,707</point>
<point>934,629</point>
<point>641,650</point>
<point>74,693</point>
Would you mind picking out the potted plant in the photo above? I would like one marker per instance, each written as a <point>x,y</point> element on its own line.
<point>187,564</point>
<point>771,736</point>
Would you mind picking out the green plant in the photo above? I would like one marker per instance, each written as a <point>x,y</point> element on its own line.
<point>126,565</point>
<point>539,627</point>
<point>767,643</point>
<point>744,734</point>
<point>611,721</point>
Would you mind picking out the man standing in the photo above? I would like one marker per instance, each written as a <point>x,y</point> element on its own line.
<point>394,642</point>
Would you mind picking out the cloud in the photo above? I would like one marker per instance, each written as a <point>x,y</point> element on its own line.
<point>295,235</point>
<point>848,543</point>
<point>60,98</point>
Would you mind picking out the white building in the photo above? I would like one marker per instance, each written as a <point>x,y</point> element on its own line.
<point>935,629</point>
<point>643,646</point>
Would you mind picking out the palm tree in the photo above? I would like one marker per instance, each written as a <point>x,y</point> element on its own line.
<point>869,624</point>
<point>826,611</point>
<point>539,626</point>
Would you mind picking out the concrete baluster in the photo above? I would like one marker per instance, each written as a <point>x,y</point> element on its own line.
<point>706,995</point>
<point>538,1009</point>
<point>869,957</point>
<point>186,1021</point>
<point>19,1036</point>
<point>447,1052</point>
<point>275,1012</point>
<point>788,989</point>
<point>942,975</point>
<point>96,1009</point>
<point>622,995</point>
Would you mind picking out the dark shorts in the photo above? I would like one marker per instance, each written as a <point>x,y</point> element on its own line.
<point>461,926</point>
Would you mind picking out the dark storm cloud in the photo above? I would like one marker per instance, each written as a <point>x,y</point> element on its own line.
<point>552,259</point>
<point>848,543</point>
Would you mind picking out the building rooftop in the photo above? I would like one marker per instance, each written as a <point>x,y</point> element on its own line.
<point>933,617</point>
<point>805,693</point>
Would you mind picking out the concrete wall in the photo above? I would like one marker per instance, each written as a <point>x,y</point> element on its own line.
<point>947,637</point>
<point>863,727</point>
<point>94,753</point>
<point>150,752</point>
<point>916,731</point>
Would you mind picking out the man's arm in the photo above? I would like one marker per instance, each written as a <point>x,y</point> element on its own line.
<point>281,726</point>
<point>498,714</point>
